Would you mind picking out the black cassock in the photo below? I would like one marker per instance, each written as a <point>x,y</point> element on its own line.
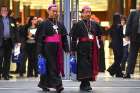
<point>50,50</point>
<point>80,43</point>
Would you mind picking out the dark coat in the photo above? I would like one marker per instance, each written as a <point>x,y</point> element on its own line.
<point>46,29</point>
<point>132,26</point>
<point>13,31</point>
<point>116,34</point>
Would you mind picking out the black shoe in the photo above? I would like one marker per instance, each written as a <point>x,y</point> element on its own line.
<point>14,72</point>
<point>86,88</point>
<point>119,75</point>
<point>127,76</point>
<point>45,89</point>
<point>36,75</point>
<point>21,75</point>
<point>59,89</point>
<point>10,76</point>
<point>89,88</point>
<point>6,78</point>
<point>29,75</point>
<point>111,72</point>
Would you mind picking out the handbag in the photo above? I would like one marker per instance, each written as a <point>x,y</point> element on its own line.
<point>42,65</point>
<point>73,64</point>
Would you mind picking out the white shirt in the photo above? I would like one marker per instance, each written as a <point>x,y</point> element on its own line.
<point>124,41</point>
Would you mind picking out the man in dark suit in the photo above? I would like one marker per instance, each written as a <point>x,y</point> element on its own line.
<point>133,33</point>
<point>8,37</point>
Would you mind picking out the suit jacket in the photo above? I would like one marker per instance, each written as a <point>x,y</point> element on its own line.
<point>132,26</point>
<point>116,34</point>
<point>13,31</point>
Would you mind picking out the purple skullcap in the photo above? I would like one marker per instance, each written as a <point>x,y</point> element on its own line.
<point>86,7</point>
<point>52,5</point>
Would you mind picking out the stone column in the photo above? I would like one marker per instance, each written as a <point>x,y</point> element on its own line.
<point>38,11</point>
<point>114,6</point>
<point>54,1</point>
<point>127,7</point>
<point>7,3</point>
<point>67,22</point>
<point>133,4</point>
<point>1,3</point>
<point>26,9</point>
<point>16,8</point>
<point>121,2</point>
<point>74,10</point>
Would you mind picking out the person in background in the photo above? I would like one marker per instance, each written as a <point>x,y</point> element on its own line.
<point>133,34</point>
<point>126,44</point>
<point>39,22</point>
<point>31,30</point>
<point>21,66</point>
<point>52,40</point>
<point>116,34</point>
<point>19,26</point>
<point>8,38</point>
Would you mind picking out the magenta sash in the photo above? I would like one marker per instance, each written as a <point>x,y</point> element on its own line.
<point>56,38</point>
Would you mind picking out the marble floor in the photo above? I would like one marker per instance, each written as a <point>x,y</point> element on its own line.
<point>104,84</point>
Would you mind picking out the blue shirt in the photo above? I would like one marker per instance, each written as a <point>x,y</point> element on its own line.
<point>6,27</point>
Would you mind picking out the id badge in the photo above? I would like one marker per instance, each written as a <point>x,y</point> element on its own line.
<point>55,27</point>
<point>90,36</point>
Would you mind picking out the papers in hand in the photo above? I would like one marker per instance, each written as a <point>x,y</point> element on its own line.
<point>98,44</point>
<point>16,50</point>
<point>125,42</point>
<point>33,31</point>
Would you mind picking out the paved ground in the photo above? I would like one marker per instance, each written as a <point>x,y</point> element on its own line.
<point>104,84</point>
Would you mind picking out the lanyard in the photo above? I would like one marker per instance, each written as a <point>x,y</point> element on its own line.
<point>55,27</point>
<point>88,30</point>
